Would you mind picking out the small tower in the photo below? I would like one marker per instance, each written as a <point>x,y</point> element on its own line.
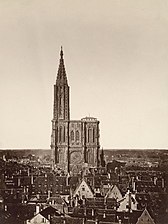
<point>102,160</point>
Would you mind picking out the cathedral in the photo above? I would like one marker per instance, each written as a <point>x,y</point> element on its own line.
<point>74,143</point>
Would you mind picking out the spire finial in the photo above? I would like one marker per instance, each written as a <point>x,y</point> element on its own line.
<point>61,53</point>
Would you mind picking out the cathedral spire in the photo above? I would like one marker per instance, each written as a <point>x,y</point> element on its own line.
<point>61,53</point>
<point>61,92</point>
<point>61,75</point>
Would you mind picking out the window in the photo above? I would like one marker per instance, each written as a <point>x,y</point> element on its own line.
<point>60,105</point>
<point>64,135</point>
<point>90,137</point>
<point>60,133</point>
<point>77,135</point>
<point>43,220</point>
<point>72,135</point>
<point>93,135</point>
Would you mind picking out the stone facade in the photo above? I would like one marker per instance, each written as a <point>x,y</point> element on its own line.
<point>74,143</point>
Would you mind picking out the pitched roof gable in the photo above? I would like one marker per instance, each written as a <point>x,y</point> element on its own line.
<point>50,210</point>
<point>145,218</point>
<point>83,189</point>
<point>114,192</point>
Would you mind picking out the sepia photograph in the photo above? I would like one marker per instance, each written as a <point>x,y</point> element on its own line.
<point>84,112</point>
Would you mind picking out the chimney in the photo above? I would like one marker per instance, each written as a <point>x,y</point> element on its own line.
<point>37,208</point>
<point>163,183</point>
<point>92,212</point>
<point>32,179</point>
<point>49,193</point>
<point>4,158</point>
<point>38,196</point>
<point>6,208</point>
<point>133,185</point>
<point>18,181</point>
<point>155,180</point>
<point>129,201</point>
<point>96,221</point>
<point>28,172</point>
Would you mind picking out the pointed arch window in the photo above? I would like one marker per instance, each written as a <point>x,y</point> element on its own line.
<point>64,135</point>
<point>60,106</point>
<point>77,135</point>
<point>90,135</point>
<point>72,135</point>
<point>56,135</point>
<point>93,135</point>
<point>60,133</point>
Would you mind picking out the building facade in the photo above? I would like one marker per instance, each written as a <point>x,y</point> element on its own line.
<point>74,143</point>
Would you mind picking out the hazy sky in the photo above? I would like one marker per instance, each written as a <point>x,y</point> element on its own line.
<point>116,58</point>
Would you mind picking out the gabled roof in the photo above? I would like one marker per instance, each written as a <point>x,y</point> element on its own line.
<point>114,192</point>
<point>78,188</point>
<point>145,218</point>
<point>40,199</point>
<point>48,212</point>
<point>128,202</point>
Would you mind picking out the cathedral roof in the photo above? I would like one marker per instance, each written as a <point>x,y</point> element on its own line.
<point>61,75</point>
<point>92,119</point>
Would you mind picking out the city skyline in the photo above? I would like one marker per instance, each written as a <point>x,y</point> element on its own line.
<point>116,63</point>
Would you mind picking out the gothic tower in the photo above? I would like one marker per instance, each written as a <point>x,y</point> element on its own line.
<point>61,116</point>
<point>74,143</point>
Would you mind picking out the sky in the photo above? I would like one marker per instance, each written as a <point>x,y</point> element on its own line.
<point>116,59</point>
